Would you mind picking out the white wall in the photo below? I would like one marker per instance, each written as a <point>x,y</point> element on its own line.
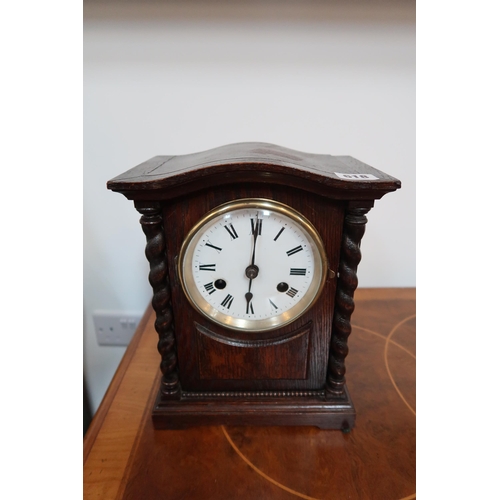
<point>175,86</point>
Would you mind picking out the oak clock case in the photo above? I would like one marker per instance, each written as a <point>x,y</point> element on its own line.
<point>253,250</point>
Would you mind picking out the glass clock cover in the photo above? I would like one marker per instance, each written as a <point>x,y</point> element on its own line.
<point>252,265</point>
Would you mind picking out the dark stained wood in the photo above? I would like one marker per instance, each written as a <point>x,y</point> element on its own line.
<point>300,381</point>
<point>127,458</point>
<point>180,216</point>
<point>168,177</point>
<point>153,227</point>
<point>261,408</point>
<point>222,358</point>
<point>350,256</point>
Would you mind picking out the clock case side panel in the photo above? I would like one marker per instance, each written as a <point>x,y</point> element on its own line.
<point>194,363</point>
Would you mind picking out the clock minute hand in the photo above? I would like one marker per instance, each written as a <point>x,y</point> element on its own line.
<point>255,234</point>
<point>252,271</point>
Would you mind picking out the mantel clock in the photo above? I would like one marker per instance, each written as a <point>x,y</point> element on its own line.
<point>253,250</point>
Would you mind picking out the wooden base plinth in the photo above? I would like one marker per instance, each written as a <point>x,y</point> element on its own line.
<point>313,410</point>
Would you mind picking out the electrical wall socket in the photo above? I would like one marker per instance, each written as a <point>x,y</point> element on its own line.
<point>115,327</point>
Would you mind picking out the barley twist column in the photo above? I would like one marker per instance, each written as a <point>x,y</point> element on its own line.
<point>350,256</point>
<point>152,225</point>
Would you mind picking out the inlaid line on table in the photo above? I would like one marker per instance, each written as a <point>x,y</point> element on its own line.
<point>388,340</point>
<point>256,469</point>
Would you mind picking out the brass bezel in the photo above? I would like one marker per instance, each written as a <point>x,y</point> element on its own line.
<point>250,325</point>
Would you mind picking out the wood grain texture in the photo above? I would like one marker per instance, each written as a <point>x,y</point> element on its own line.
<point>128,459</point>
<point>286,358</point>
<point>181,215</point>
<point>113,431</point>
<point>102,411</point>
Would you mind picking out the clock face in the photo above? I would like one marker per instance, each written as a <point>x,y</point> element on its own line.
<point>252,265</point>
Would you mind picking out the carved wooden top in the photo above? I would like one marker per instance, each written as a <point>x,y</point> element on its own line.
<point>340,177</point>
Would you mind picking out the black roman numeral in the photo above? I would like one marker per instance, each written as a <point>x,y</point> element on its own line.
<point>273,304</point>
<point>294,250</point>
<point>297,271</point>
<point>250,308</point>
<point>279,233</point>
<point>207,267</point>
<point>232,232</point>
<point>227,301</point>
<point>209,287</point>
<point>256,226</point>
<point>213,246</point>
<point>292,292</point>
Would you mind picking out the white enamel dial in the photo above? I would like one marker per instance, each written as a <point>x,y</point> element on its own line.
<point>252,265</point>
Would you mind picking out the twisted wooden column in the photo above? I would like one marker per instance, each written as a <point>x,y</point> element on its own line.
<point>350,256</point>
<point>152,225</point>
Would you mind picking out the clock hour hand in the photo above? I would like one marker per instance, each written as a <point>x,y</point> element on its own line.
<point>249,294</point>
<point>249,297</point>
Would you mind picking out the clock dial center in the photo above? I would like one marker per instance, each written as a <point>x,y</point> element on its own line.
<point>252,271</point>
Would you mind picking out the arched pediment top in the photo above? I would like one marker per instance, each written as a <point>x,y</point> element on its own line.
<point>331,176</point>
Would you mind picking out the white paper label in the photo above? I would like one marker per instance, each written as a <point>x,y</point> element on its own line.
<point>357,177</point>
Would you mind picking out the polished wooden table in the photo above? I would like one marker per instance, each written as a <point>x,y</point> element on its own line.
<point>126,458</point>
